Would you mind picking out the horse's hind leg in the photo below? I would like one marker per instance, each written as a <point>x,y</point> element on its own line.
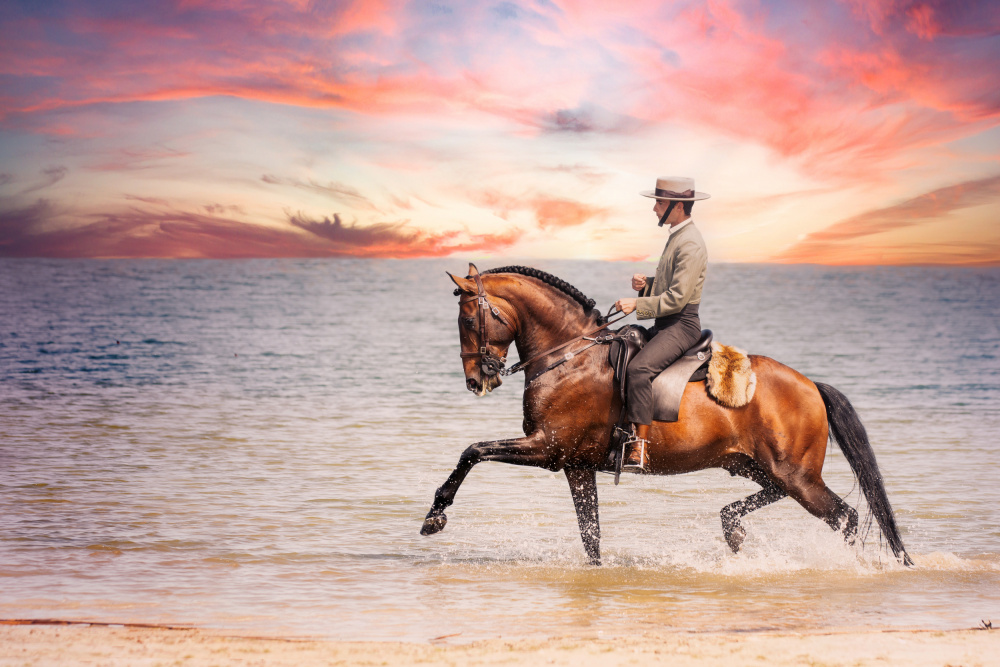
<point>812,493</point>
<point>820,501</point>
<point>527,451</point>
<point>732,513</point>
<point>583,486</point>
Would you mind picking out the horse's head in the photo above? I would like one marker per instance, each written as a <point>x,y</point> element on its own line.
<point>485,329</point>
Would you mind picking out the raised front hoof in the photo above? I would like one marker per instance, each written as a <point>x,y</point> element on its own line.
<point>433,524</point>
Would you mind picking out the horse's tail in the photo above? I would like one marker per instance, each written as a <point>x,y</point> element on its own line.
<point>849,433</point>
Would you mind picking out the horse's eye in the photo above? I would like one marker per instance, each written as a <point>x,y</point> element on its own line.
<point>469,323</point>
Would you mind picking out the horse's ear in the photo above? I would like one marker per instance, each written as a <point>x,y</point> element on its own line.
<point>464,284</point>
<point>473,271</point>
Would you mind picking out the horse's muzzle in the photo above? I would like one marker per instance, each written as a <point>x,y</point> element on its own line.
<point>488,384</point>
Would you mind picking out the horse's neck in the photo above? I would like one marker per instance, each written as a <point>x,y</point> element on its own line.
<point>542,326</point>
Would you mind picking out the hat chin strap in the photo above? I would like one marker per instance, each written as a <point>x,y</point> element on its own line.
<point>666,214</point>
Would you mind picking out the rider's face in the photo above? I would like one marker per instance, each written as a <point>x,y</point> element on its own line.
<point>660,207</point>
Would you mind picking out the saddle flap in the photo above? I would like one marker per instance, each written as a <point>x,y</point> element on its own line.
<point>631,338</point>
<point>668,387</point>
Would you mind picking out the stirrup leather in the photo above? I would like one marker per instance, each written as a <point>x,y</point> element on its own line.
<point>626,444</point>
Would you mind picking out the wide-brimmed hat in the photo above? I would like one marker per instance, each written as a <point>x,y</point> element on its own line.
<point>675,188</point>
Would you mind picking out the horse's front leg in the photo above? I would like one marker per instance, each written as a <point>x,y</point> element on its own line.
<point>526,451</point>
<point>583,486</point>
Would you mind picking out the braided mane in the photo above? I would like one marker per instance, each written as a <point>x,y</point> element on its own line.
<point>588,305</point>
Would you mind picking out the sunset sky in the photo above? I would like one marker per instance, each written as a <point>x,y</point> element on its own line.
<point>828,132</point>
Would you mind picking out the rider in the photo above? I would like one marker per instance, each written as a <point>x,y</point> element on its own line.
<point>672,297</point>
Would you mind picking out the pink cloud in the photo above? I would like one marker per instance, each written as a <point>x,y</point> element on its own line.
<point>844,91</point>
<point>339,192</point>
<point>133,159</point>
<point>50,176</point>
<point>844,105</point>
<point>921,22</point>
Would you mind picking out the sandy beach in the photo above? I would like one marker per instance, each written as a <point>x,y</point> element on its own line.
<point>149,646</point>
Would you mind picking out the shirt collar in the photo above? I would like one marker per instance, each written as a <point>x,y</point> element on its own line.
<point>674,230</point>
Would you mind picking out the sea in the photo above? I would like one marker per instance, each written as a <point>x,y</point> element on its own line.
<point>252,446</point>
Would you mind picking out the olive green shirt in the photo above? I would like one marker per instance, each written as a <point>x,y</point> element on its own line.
<point>679,277</point>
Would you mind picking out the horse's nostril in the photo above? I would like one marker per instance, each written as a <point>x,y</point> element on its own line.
<point>472,384</point>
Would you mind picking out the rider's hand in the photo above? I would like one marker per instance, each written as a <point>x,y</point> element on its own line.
<point>638,282</point>
<point>625,305</point>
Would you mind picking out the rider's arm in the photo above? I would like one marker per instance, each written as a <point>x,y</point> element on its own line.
<point>688,267</point>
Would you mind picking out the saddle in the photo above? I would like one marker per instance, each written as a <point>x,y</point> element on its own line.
<point>668,386</point>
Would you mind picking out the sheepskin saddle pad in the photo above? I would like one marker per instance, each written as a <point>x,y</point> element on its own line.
<point>728,376</point>
<point>727,372</point>
<point>731,380</point>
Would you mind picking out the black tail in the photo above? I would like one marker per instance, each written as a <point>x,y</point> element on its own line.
<point>848,432</point>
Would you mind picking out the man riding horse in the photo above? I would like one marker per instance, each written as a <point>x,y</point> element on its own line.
<point>776,438</point>
<point>672,297</point>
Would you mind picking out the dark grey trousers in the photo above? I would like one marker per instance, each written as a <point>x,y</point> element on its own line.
<point>674,335</point>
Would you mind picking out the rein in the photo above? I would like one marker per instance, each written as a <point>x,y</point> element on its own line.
<point>599,340</point>
<point>493,364</point>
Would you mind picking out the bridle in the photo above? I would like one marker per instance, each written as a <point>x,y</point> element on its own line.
<point>490,363</point>
<point>493,365</point>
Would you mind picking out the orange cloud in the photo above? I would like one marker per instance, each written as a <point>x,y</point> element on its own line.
<point>548,211</point>
<point>395,240</point>
<point>836,244</point>
<point>178,234</point>
<point>554,212</point>
<point>960,254</point>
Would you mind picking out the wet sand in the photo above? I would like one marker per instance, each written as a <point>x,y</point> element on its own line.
<point>142,646</point>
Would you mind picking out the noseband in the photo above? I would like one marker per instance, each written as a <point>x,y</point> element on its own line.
<point>490,363</point>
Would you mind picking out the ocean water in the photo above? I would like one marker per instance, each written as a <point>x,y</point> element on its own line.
<point>252,445</point>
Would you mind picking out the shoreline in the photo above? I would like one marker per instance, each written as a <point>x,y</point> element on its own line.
<point>57,642</point>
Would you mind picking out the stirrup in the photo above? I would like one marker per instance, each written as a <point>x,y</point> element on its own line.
<point>632,467</point>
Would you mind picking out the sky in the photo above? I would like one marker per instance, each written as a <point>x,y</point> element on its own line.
<point>826,131</point>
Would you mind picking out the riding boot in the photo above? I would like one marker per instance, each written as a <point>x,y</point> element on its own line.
<point>636,458</point>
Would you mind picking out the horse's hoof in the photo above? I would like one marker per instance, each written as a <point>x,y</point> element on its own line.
<point>434,524</point>
<point>735,538</point>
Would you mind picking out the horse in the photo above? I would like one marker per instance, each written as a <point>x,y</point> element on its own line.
<point>778,440</point>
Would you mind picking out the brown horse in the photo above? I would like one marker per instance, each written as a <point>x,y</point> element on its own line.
<point>778,440</point>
